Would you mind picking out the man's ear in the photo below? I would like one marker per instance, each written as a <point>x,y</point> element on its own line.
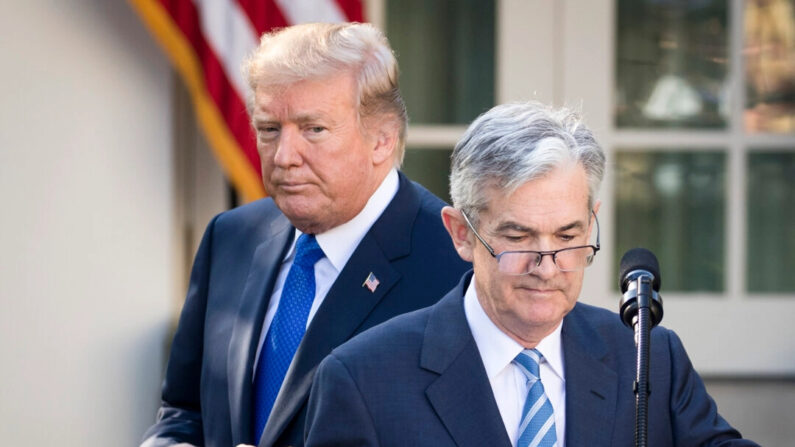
<point>595,209</point>
<point>385,136</point>
<point>459,232</point>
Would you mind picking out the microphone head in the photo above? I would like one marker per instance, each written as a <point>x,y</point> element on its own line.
<point>638,259</point>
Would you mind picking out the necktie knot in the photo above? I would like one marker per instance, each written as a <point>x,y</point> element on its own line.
<point>528,361</point>
<point>307,251</point>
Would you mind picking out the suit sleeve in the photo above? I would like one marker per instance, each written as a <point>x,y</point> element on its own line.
<point>179,417</point>
<point>337,413</point>
<point>694,413</point>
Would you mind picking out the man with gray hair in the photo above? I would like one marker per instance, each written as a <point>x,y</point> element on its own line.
<point>344,242</point>
<point>508,357</point>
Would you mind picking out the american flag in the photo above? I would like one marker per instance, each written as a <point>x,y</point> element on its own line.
<point>371,282</point>
<point>207,41</point>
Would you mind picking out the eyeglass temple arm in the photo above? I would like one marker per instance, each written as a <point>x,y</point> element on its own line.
<point>598,245</point>
<point>472,227</point>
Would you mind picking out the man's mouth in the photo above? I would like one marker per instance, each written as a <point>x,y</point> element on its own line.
<point>292,186</point>
<point>540,292</point>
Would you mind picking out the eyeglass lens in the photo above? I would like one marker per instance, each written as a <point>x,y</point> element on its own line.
<point>522,262</point>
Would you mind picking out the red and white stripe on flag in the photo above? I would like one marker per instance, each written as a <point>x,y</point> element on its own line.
<point>207,41</point>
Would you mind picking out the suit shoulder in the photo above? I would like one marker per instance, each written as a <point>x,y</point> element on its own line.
<point>429,202</point>
<point>429,235</point>
<point>396,337</point>
<point>254,211</point>
<point>242,228</point>
<point>253,217</point>
<point>430,207</point>
<point>597,315</point>
<point>609,324</point>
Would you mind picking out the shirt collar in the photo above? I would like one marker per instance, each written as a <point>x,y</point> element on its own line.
<point>497,349</point>
<point>340,242</point>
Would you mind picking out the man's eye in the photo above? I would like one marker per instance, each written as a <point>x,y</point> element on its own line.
<point>267,133</point>
<point>317,129</point>
<point>566,237</point>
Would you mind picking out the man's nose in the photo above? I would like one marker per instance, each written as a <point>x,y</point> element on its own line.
<point>547,268</point>
<point>288,149</point>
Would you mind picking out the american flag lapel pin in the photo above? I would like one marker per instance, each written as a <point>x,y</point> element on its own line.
<point>371,282</point>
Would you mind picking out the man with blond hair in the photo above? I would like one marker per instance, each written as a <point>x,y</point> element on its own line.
<point>344,242</point>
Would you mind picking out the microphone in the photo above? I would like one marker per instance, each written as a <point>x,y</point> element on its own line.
<point>638,270</point>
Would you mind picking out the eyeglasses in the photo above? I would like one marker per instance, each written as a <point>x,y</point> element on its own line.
<point>524,262</point>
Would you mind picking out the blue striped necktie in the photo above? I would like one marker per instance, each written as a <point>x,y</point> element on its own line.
<point>537,428</point>
<point>286,330</point>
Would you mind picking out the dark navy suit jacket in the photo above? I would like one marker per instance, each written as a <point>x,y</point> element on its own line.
<point>418,380</point>
<point>207,390</point>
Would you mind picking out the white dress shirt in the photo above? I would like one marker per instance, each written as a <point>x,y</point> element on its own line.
<point>508,382</point>
<point>338,244</point>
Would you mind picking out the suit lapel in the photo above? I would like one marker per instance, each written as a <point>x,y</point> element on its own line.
<point>347,304</point>
<point>345,307</point>
<point>248,324</point>
<point>462,396</point>
<point>591,385</point>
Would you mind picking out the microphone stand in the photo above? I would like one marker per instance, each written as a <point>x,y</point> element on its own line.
<point>641,307</point>
<point>641,386</point>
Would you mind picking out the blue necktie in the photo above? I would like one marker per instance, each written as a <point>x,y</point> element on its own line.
<point>286,330</point>
<point>537,428</point>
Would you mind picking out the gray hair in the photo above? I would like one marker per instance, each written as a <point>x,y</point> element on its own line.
<point>512,144</point>
<point>319,50</point>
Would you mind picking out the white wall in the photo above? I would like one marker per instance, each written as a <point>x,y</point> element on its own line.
<point>87,228</point>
